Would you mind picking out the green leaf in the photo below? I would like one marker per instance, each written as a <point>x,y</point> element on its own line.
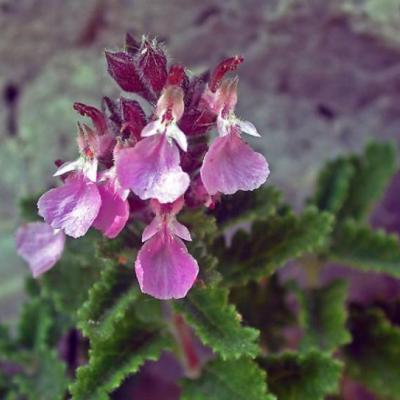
<point>67,284</point>
<point>28,208</point>
<point>302,376</point>
<point>121,337</point>
<point>264,306</point>
<point>372,172</point>
<point>271,244</point>
<point>238,379</point>
<point>217,323</point>
<point>247,206</point>
<point>333,184</point>
<point>323,317</point>
<point>360,247</point>
<point>112,360</point>
<point>109,299</point>
<point>373,356</point>
<point>44,377</point>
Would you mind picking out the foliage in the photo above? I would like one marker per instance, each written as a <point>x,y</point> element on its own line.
<point>297,376</point>
<point>247,334</point>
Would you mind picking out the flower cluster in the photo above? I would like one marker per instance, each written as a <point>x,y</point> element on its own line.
<point>161,161</point>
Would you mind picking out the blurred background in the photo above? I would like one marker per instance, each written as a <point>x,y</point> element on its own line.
<point>320,78</point>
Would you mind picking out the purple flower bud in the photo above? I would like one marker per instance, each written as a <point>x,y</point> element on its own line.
<point>152,63</point>
<point>121,67</point>
<point>133,117</point>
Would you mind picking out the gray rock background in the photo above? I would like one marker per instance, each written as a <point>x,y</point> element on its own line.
<point>321,77</point>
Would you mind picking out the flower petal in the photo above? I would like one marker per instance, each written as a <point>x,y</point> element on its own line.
<point>40,246</point>
<point>114,210</point>
<point>69,166</point>
<point>151,170</point>
<point>72,207</point>
<point>164,267</point>
<point>231,165</point>
<point>175,133</point>
<point>180,230</point>
<point>152,128</point>
<point>247,127</point>
<point>151,229</point>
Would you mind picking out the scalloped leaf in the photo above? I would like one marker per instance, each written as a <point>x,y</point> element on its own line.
<point>373,356</point>
<point>300,376</point>
<point>121,337</point>
<point>333,184</point>
<point>113,359</point>
<point>217,323</point>
<point>360,247</point>
<point>323,317</point>
<point>67,284</point>
<point>238,379</point>
<point>264,306</point>
<point>271,244</point>
<point>44,377</point>
<point>372,172</point>
<point>247,206</point>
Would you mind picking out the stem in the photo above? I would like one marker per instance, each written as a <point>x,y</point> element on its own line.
<point>184,339</point>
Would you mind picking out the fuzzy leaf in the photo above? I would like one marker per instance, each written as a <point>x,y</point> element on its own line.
<point>238,379</point>
<point>247,206</point>
<point>217,322</point>
<point>44,377</point>
<point>113,359</point>
<point>67,284</point>
<point>28,208</point>
<point>268,310</point>
<point>121,67</point>
<point>302,376</point>
<point>372,171</point>
<point>323,317</point>
<point>333,185</point>
<point>121,339</point>
<point>108,301</point>
<point>373,356</point>
<point>271,243</point>
<point>360,247</point>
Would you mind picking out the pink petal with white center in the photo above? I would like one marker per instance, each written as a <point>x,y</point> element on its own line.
<point>72,207</point>
<point>231,165</point>
<point>164,267</point>
<point>152,170</point>
<point>114,211</point>
<point>40,246</point>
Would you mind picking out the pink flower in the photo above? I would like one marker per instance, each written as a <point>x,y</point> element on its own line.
<point>40,246</point>
<point>72,207</point>
<point>114,211</point>
<point>151,169</point>
<point>164,267</point>
<point>230,164</point>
